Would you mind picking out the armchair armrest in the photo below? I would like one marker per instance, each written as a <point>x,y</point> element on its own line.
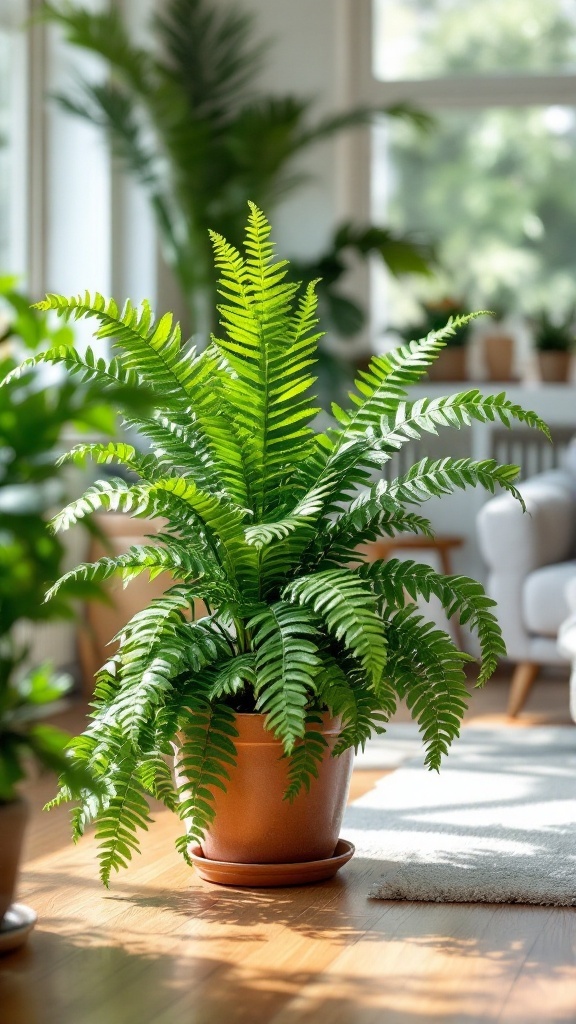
<point>511,539</point>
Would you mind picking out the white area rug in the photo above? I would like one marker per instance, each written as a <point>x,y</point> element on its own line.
<point>497,825</point>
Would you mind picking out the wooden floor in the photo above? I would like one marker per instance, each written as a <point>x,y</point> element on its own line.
<point>162,947</point>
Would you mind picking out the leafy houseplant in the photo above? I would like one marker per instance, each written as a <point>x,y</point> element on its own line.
<point>555,341</point>
<point>263,519</point>
<point>34,414</point>
<point>186,116</point>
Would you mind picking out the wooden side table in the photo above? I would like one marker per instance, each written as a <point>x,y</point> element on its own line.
<point>444,545</point>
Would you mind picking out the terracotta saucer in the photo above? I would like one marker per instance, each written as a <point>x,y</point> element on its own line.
<point>262,875</point>
<point>15,926</point>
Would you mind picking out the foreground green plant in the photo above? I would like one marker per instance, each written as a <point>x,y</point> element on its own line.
<point>25,738</point>
<point>263,519</point>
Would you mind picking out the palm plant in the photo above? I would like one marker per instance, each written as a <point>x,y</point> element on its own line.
<point>185,117</point>
<point>263,520</point>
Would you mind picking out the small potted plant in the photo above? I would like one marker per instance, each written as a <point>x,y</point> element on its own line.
<point>554,340</point>
<point>451,361</point>
<point>305,648</point>
<point>498,340</point>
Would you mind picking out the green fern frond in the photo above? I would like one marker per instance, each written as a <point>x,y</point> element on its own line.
<point>306,758</point>
<point>348,608</point>
<point>382,387</point>
<point>206,753</point>
<point>151,347</point>
<point>232,676</point>
<point>460,596</point>
<point>157,779</point>
<point>286,663</point>
<point>432,478</point>
<point>427,670</point>
<point>105,453</point>
<point>410,420</point>
<point>126,813</point>
<point>269,357</point>
<point>107,374</point>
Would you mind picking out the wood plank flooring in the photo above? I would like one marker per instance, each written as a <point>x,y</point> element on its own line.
<point>163,947</point>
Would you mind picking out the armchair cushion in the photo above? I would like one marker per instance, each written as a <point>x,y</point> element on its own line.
<point>544,598</point>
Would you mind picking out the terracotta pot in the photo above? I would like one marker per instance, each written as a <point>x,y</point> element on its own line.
<point>13,817</point>
<point>554,366</point>
<point>499,356</point>
<point>451,364</point>
<point>254,825</point>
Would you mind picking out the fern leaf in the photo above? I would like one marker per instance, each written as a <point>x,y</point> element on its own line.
<point>152,347</point>
<point>431,478</point>
<point>348,608</point>
<point>184,564</point>
<point>459,595</point>
<point>427,670</point>
<point>269,356</point>
<point>120,820</point>
<point>205,754</point>
<point>382,387</point>
<point>286,663</point>
<point>306,758</point>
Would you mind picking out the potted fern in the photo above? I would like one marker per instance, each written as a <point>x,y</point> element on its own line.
<point>304,648</point>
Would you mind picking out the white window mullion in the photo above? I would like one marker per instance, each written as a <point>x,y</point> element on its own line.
<point>475,92</point>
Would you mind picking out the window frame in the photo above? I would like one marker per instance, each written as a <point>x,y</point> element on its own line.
<point>433,95</point>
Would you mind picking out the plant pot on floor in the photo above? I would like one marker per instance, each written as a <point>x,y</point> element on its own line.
<point>13,817</point>
<point>253,822</point>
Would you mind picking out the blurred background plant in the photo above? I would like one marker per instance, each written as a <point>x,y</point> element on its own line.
<point>554,334</point>
<point>434,317</point>
<point>38,410</point>
<point>186,117</point>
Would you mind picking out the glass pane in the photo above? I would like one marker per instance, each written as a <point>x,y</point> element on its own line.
<point>438,38</point>
<point>495,190</point>
<point>5,132</point>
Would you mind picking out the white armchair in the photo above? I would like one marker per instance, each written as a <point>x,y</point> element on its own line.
<point>532,560</point>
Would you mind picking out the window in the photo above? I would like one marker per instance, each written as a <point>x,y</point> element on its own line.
<point>13,130</point>
<point>494,184</point>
